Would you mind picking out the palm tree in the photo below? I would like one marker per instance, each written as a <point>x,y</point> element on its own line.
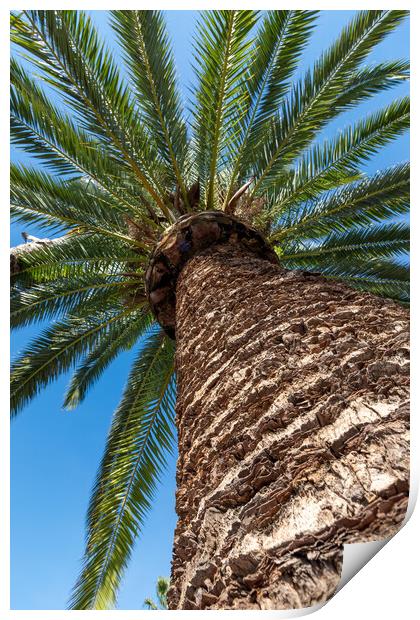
<point>270,254</point>
<point>162,586</point>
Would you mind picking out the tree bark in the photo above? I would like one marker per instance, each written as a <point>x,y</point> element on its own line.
<point>292,416</point>
<point>25,248</point>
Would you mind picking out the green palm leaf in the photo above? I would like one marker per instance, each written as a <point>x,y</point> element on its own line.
<point>144,39</point>
<point>337,161</point>
<point>66,47</point>
<point>374,241</point>
<point>370,80</point>
<point>72,256</point>
<point>277,48</point>
<point>385,194</point>
<point>39,198</point>
<point>121,336</point>
<point>46,300</point>
<point>221,53</point>
<point>39,127</point>
<point>384,277</point>
<point>140,437</point>
<point>55,351</point>
<point>312,101</point>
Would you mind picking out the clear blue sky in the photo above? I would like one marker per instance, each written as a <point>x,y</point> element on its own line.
<point>55,454</point>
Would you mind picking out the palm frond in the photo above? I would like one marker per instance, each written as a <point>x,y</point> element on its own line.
<point>144,39</point>
<point>42,130</point>
<point>141,435</point>
<point>150,604</point>
<point>376,198</point>
<point>162,587</point>
<point>40,198</point>
<point>337,161</point>
<point>120,337</point>
<point>374,241</point>
<point>312,101</point>
<point>44,301</point>
<point>54,351</point>
<point>276,51</point>
<point>221,54</point>
<point>64,45</point>
<point>71,256</point>
<point>384,277</point>
<point>371,80</point>
<point>51,299</point>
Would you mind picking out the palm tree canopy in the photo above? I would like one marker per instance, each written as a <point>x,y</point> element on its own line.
<point>162,587</point>
<point>122,160</point>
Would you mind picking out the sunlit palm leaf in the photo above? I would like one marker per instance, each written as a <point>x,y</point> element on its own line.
<point>71,256</point>
<point>374,241</point>
<point>48,300</point>
<point>54,351</point>
<point>336,161</point>
<point>143,37</point>
<point>67,49</point>
<point>141,435</point>
<point>370,80</point>
<point>221,53</point>
<point>313,100</point>
<point>121,336</point>
<point>384,195</point>
<point>39,198</point>
<point>277,48</point>
<point>387,278</point>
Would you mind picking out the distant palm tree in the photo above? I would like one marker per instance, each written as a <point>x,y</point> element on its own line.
<point>162,586</point>
<point>279,252</point>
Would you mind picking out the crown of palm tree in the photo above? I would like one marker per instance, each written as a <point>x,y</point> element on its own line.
<point>123,162</point>
<point>162,587</point>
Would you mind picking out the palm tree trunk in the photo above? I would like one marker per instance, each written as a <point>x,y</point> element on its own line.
<point>292,417</point>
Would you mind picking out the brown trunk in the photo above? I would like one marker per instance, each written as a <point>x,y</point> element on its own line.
<point>293,431</point>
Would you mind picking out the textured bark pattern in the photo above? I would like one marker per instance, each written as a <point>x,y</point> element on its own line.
<point>191,234</point>
<point>293,431</point>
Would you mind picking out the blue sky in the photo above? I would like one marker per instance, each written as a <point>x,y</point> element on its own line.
<point>55,454</point>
